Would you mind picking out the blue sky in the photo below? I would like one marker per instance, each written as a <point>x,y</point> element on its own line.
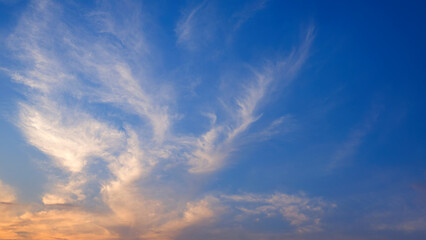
<point>256,119</point>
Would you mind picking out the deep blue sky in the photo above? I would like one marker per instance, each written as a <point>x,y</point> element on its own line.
<point>232,120</point>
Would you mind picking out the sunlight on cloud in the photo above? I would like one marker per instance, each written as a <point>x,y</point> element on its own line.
<point>195,213</point>
<point>69,141</point>
<point>72,77</point>
<point>53,224</point>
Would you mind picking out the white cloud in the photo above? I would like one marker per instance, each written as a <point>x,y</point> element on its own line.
<point>70,137</point>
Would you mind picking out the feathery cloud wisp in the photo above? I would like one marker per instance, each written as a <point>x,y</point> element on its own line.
<point>185,26</point>
<point>214,146</point>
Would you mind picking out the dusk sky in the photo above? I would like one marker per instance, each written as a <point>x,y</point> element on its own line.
<point>213,120</point>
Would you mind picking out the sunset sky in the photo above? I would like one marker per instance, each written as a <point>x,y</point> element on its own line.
<point>213,120</point>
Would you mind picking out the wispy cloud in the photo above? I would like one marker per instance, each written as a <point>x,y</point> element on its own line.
<point>71,76</point>
<point>284,124</point>
<point>203,23</point>
<point>415,224</point>
<point>186,24</point>
<point>214,146</point>
<point>400,216</point>
<point>355,138</point>
<point>249,10</point>
<point>301,212</point>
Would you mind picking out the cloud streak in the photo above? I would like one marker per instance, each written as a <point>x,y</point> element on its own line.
<point>214,146</point>
<point>355,139</point>
<point>185,26</point>
<point>248,11</point>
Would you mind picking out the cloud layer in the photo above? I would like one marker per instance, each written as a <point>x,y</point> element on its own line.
<point>91,102</point>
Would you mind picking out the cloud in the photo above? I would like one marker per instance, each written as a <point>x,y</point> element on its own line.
<point>249,10</point>
<point>7,194</point>
<point>199,26</point>
<point>92,107</point>
<point>355,138</point>
<point>70,141</point>
<point>73,221</point>
<point>204,23</point>
<point>301,212</point>
<point>185,26</point>
<point>53,223</point>
<point>195,213</point>
<point>409,225</point>
<point>409,219</point>
<point>215,145</point>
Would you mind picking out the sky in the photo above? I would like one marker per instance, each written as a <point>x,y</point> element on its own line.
<point>187,120</point>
